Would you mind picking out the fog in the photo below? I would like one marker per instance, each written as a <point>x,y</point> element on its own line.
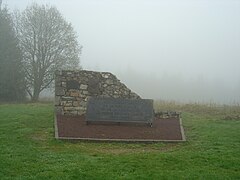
<point>187,51</point>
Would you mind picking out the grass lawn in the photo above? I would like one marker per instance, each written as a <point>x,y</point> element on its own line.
<point>28,149</point>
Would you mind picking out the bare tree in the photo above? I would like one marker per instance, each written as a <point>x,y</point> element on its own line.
<point>48,43</point>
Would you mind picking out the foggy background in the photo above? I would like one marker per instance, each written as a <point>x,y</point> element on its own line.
<point>187,51</point>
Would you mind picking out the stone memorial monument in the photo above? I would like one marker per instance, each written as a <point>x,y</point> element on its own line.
<point>73,88</point>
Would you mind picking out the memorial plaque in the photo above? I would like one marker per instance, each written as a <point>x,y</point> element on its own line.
<point>93,86</point>
<point>73,85</point>
<point>120,110</point>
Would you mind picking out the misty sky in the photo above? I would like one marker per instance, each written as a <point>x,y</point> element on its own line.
<point>186,50</point>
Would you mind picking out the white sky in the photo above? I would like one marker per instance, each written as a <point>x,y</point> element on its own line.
<point>187,39</point>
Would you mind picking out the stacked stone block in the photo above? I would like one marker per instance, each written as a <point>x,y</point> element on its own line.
<point>73,89</point>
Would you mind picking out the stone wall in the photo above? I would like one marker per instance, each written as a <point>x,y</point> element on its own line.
<point>73,89</point>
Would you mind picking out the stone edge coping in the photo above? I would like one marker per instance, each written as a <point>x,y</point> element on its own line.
<point>182,130</point>
<point>56,127</point>
<point>118,140</point>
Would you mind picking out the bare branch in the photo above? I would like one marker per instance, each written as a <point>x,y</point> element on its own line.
<point>48,43</point>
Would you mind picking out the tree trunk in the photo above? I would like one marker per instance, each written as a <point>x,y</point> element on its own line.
<point>36,91</point>
<point>35,96</point>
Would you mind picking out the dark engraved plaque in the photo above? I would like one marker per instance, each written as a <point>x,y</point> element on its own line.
<point>93,86</point>
<point>73,85</point>
<point>120,110</point>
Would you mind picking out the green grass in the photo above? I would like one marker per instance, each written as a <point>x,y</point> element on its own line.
<point>28,149</point>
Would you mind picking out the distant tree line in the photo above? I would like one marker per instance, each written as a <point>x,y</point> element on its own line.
<point>33,44</point>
